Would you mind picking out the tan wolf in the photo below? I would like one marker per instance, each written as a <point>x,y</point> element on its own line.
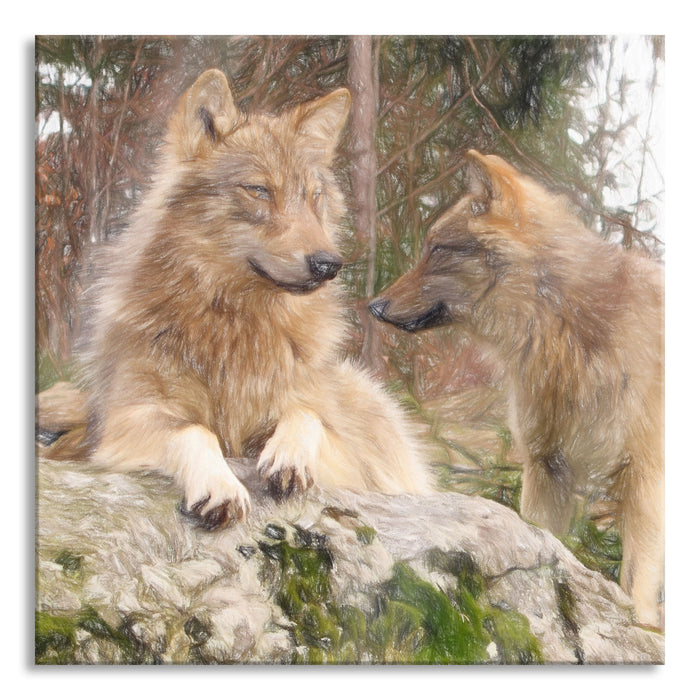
<point>578,325</point>
<point>218,325</point>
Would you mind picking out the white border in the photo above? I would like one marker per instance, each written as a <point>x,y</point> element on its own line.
<point>273,17</point>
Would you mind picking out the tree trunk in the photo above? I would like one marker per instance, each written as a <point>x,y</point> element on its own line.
<point>93,115</point>
<point>363,82</point>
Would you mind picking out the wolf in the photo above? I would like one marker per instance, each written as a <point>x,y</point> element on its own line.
<point>577,322</point>
<point>217,328</point>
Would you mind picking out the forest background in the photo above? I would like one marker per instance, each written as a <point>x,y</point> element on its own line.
<point>579,113</point>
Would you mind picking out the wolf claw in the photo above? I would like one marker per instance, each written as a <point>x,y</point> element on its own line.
<point>285,481</point>
<point>217,517</point>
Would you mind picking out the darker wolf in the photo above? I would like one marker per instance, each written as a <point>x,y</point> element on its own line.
<point>218,326</point>
<point>578,325</point>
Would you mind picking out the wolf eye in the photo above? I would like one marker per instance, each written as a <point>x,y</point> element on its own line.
<point>437,249</point>
<point>316,195</point>
<point>257,191</point>
<point>478,207</point>
<point>463,248</point>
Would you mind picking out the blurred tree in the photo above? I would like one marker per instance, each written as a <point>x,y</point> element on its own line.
<point>97,125</point>
<point>102,104</point>
<point>362,156</point>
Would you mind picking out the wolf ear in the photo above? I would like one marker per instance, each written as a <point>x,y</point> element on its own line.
<point>492,184</point>
<point>323,119</point>
<point>204,116</point>
<point>480,186</point>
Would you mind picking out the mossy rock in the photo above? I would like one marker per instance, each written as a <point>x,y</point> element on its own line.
<point>409,620</point>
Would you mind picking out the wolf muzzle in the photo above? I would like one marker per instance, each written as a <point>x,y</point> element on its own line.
<point>437,315</point>
<point>322,266</point>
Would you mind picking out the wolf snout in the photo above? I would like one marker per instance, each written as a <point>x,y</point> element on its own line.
<point>436,315</point>
<point>324,265</point>
<point>378,307</point>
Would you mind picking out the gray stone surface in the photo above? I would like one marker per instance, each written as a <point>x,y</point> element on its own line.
<point>144,567</point>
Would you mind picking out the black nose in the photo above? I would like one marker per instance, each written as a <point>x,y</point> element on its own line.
<point>378,307</point>
<point>323,265</point>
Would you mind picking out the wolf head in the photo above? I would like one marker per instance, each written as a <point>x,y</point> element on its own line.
<point>256,191</point>
<point>489,239</point>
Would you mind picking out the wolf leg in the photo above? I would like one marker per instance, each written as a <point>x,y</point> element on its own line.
<point>143,437</point>
<point>345,432</point>
<point>371,444</point>
<point>61,408</point>
<point>641,524</point>
<point>547,496</point>
<point>61,422</point>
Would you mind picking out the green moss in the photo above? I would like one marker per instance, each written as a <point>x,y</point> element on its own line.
<point>566,601</point>
<point>56,639</point>
<point>514,640</point>
<point>461,566</point>
<point>459,625</point>
<point>409,620</point>
<point>406,620</point>
<point>567,604</point>
<point>303,581</point>
<point>452,630</point>
<point>395,634</point>
<point>598,549</point>
<point>72,564</point>
<point>496,478</point>
<point>507,629</point>
<point>365,534</point>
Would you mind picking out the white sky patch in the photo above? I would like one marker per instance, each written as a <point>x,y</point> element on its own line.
<point>50,123</point>
<point>636,158</point>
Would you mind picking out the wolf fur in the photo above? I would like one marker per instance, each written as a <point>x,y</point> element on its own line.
<point>218,326</point>
<point>578,324</point>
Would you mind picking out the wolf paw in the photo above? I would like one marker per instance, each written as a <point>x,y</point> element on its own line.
<point>291,454</point>
<point>283,481</point>
<point>218,506</point>
<point>213,495</point>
